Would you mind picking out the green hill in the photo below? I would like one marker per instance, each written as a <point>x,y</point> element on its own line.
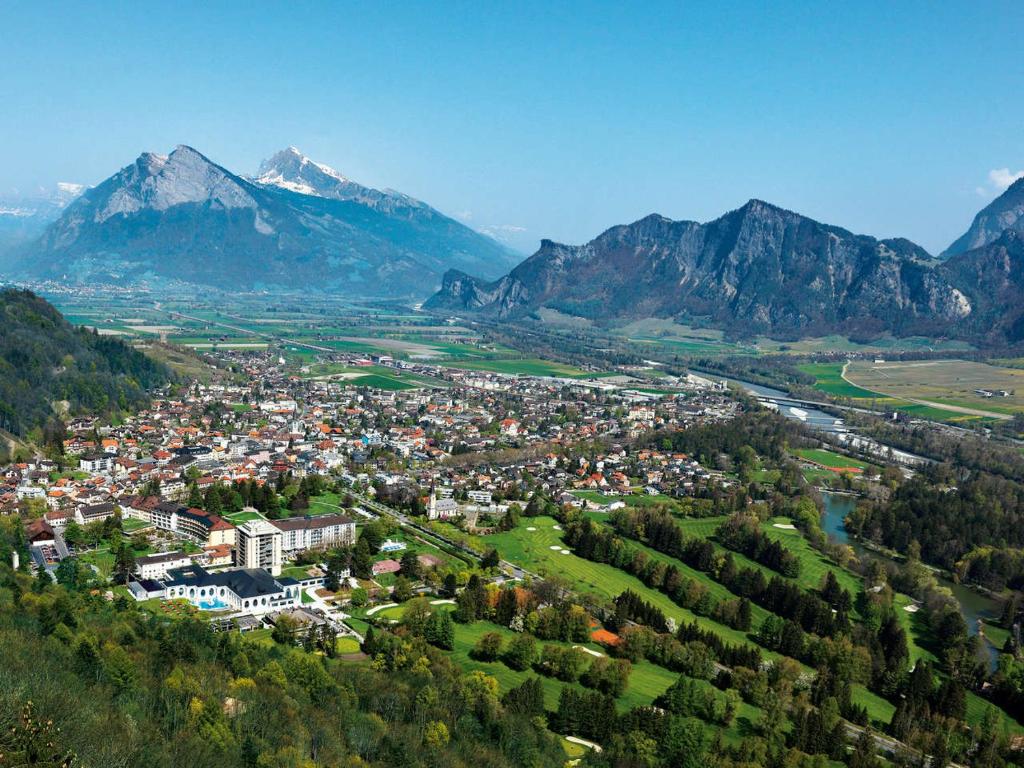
<point>48,364</point>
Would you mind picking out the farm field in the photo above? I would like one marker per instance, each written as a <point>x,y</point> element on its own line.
<point>947,384</point>
<point>829,379</point>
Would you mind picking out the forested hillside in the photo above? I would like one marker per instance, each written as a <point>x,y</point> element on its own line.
<point>47,365</point>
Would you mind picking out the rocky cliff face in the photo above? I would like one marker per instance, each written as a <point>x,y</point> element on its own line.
<point>1003,213</point>
<point>992,278</point>
<point>758,269</point>
<point>183,217</point>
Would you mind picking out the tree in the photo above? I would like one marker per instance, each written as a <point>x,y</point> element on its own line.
<point>526,699</point>
<point>488,647</point>
<point>402,590</point>
<point>284,630</point>
<point>450,585</point>
<point>435,735</point>
<point>490,560</point>
<point>43,580</point>
<point>521,652</point>
<point>362,559</point>
<point>411,565</point>
<point>124,563</point>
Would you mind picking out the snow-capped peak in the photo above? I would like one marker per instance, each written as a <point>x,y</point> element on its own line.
<point>290,169</point>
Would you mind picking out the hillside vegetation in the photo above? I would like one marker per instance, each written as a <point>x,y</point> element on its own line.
<point>47,364</point>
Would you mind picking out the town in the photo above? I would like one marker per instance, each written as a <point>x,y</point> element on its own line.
<point>232,496</point>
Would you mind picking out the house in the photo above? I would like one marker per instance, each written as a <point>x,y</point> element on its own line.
<point>386,566</point>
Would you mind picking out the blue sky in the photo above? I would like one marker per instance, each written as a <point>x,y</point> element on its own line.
<point>541,119</point>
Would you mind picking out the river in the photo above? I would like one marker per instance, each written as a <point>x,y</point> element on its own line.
<point>973,605</point>
<point>783,402</point>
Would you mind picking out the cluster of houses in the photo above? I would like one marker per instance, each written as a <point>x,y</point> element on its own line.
<point>281,423</point>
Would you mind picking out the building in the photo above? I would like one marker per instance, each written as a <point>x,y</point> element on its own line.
<point>252,591</point>
<point>202,527</point>
<point>479,497</point>
<point>442,509</point>
<point>94,513</point>
<point>97,463</point>
<point>258,545</point>
<point>315,532</point>
<point>157,566</point>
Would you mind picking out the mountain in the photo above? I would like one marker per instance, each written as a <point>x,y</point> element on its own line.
<point>992,278</point>
<point>24,217</point>
<point>1003,213</point>
<point>758,269</point>
<point>297,225</point>
<point>46,363</point>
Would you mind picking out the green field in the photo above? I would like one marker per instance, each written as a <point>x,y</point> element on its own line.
<point>532,549</point>
<point>831,460</point>
<point>526,367</point>
<point>829,378</point>
<point>237,518</point>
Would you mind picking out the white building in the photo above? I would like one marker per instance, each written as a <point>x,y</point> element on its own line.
<point>315,532</point>
<point>258,545</point>
<point>479,497</point>
<point>442,509</point>
<point>157,566</point>
<point>251,591</point>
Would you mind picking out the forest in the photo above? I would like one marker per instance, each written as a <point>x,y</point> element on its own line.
<point>45,360</point>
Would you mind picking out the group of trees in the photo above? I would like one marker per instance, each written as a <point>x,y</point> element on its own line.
<point>125,687</point>
<point>44,359</point>
<point>785,598</point>
<point>742,533</point>
<point>972,523</point>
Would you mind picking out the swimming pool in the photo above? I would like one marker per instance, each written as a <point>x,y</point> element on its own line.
<point>216,604</point>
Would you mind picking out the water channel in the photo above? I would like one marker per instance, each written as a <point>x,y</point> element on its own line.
<point>973,605</point>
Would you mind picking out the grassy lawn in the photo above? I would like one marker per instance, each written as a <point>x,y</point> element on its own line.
<point>594,496</point>
<point>348,645</point>
<point>102,559</point>
<point>132,524</point>
<point>831,460</point>
<point>237,518</point>
<point>813,564</point>
<point>532,549</point>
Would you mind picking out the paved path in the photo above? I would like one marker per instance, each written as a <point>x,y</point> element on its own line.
<point>584,743</point>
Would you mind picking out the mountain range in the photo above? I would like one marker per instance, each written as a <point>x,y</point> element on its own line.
<point>296,224</point>
<point>24,217</point>
<point>761,269</point>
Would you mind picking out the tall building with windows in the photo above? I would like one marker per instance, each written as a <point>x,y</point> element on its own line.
<point>258,545</point>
